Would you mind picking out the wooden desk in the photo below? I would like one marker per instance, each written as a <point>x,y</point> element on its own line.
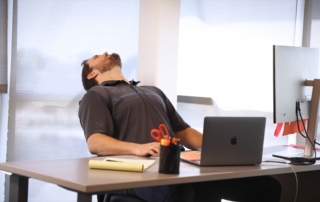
<point>74,174</point>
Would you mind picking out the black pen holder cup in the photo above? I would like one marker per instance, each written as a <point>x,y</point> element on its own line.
<point>169,160</point>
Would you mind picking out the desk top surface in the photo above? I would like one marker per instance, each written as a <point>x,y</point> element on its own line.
<point>75,174</point>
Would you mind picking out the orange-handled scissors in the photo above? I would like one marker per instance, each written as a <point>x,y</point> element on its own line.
<point>160,133</point>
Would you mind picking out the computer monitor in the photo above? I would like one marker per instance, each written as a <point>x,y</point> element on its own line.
<point>295,81</point>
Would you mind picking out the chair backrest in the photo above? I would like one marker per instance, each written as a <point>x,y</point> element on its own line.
<point>121,198</point>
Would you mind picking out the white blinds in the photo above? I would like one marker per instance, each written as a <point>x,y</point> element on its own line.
<point>3,45</point>
<point>51,38</point>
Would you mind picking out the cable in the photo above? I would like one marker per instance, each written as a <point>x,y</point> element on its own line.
<point>297,183</point>
<point>298,111</point>
<point>294,172</point>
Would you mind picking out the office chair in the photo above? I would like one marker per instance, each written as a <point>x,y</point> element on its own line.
<point>118,198</point>
<point>121,198</point>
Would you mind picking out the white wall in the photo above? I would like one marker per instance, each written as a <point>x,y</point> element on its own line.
<point>225,53</point>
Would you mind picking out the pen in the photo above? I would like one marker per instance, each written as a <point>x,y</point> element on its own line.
<point>165,142</point>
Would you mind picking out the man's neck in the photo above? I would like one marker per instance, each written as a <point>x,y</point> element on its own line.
<point>113,74</point>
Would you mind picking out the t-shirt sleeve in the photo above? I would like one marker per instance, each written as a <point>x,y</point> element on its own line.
<point>177,122</point>
<point>94,115</point>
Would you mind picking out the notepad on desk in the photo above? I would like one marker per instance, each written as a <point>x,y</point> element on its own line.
<point>111,163</point>
<point>191,155</point>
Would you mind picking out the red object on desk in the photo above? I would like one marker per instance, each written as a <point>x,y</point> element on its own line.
<point>160,133</point>
<point>290,128</point>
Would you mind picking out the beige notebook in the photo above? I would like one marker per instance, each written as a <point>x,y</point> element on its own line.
<point>111,163</point>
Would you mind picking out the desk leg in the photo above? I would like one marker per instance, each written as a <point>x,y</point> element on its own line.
<point>84,197</point>
<point>18,190</point>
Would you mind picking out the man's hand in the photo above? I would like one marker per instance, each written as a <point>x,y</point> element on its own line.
<point>148,149</point>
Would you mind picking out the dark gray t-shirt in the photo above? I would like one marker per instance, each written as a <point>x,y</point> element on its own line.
<point>127,112</point>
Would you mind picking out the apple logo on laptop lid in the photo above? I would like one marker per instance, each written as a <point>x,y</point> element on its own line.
<point>234,140</point>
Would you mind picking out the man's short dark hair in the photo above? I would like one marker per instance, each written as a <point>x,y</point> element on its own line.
<point>87,83</point>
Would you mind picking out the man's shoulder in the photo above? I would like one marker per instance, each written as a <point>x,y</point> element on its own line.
<point>107,91</point>
<point>154,88</point>
<point>96,92</point>
<point>99,89</point>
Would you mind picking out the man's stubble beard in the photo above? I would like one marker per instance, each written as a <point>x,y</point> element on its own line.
<point>112,61</point>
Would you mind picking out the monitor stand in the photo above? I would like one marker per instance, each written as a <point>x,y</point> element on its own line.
<point>295,154</point>
<point>308,155</point>
<point>297,157</point>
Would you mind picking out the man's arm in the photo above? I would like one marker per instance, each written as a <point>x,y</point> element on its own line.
<point>103,145</point>
<point>190,138</point>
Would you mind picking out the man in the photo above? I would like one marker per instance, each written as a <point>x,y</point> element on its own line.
<point>117,117</point>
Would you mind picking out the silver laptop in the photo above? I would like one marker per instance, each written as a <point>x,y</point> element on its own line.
<point>230,141</point>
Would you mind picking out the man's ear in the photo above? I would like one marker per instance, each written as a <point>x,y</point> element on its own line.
<point>92,74</point>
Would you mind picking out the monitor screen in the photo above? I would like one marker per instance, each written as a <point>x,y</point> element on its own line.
<point>291,67</point>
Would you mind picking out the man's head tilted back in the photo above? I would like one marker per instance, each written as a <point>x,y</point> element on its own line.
<point>98,64</point>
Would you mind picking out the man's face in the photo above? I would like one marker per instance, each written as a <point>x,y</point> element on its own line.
<point>104,62</point>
